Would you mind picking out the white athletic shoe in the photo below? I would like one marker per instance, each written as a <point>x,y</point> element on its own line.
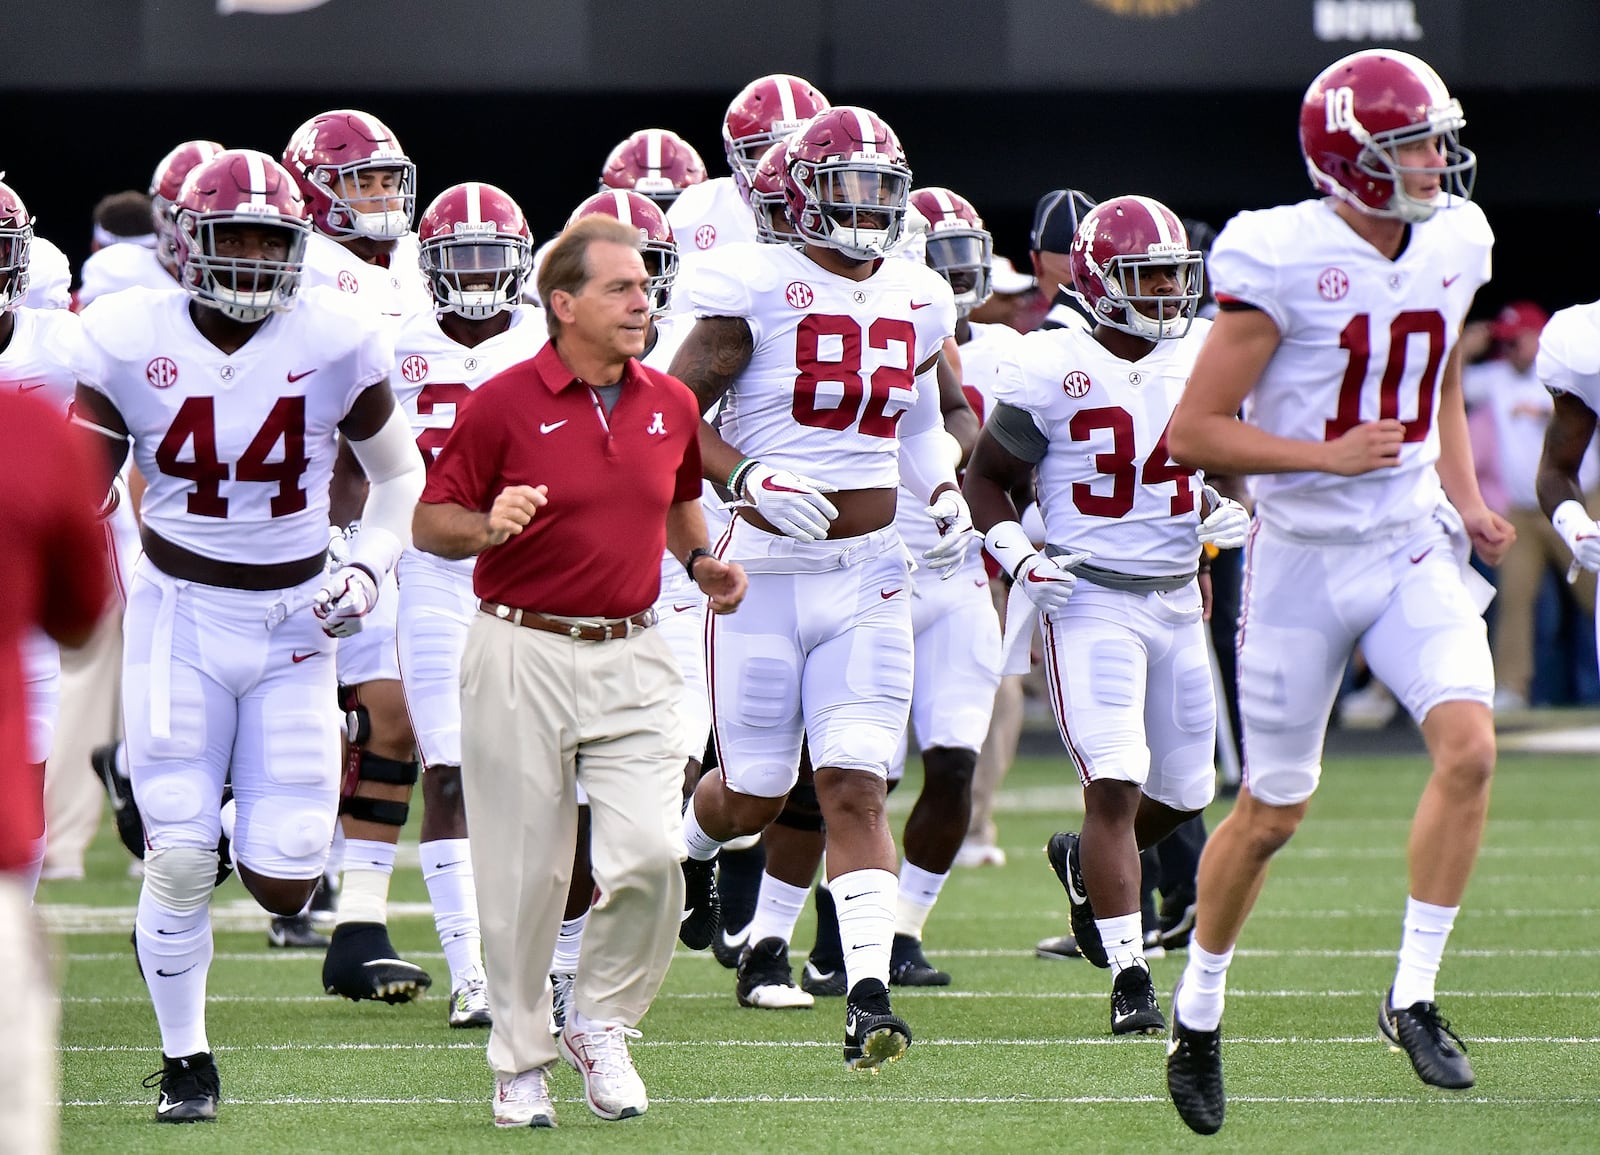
<point>600,1055</point>
<point>523,1100</point>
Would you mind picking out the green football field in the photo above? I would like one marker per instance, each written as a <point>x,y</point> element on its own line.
<point>1016,1056</point>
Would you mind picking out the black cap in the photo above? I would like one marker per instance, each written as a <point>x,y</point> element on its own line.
<point>1055,220</point>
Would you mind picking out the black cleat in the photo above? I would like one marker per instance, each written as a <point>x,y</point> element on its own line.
<point>1194,1074</point>
<point>294,932</point>
<point>765,979</point>
<point>702,910</point>
<point>873,1034</point>
<point>1436,1051</point>
<point>190,1089</point>
<point>825,979</point>
<point>119,789</point>
<point>1177,920</point>
<point>726,948</point>
<point>1061,947</point>
<point>909,967</point>
<point>362,964</point>
<point>1134,1007</point>
<point>1062,850</point>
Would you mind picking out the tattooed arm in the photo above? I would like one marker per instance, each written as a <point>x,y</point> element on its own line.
<point>710,359</point>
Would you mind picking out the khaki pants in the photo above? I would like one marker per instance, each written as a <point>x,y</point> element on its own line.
<point>541,713</point>
<point>91,715</point>
<point>1538,547</point>
<point>28,1063</point>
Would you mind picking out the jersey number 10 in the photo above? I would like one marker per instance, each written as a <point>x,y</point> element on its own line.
<point>1356,337</point>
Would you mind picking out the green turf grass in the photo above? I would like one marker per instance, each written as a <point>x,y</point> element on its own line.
<point>1016,1056</point>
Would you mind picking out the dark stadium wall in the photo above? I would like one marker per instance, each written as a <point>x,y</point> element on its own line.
<point>1206,154</point>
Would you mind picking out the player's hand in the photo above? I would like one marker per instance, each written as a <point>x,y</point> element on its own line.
<point>1492,537</point>
<point>338,548</point>
<point>1580,533</point>
<point>794,505</point>
<point>513,509</point>
<point>346,597</point>
<point>1370,446</point>
<point>1228,523</point>
<point>956,534</point>
<point>724,582</point>
<point>1048,582</point>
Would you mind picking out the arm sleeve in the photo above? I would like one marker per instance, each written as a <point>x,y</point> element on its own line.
<point>395,476</point>
<point>925,461</point>
<point>1018,433</point>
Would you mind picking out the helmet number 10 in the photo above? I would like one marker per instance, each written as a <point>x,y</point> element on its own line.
<point>1341,108</point>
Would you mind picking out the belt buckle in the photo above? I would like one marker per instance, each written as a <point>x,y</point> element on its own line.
<point>575,632</point>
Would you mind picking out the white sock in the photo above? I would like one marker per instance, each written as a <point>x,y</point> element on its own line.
<point>702,847</point>
<point>1205,981</point>
<point>865,900</point>
<point>1422,942</point>
<point>1123,938</point>
<point>919,890</point>
<point>175,953</point>
<point>364,893</point>
<point>778,908</point>
<point>335,864</point>
<point>569,944</point>
<point>447,869</point>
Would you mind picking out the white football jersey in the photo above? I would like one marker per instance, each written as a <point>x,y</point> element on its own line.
<point>49,277</point>
<point>1362,338</point>
<point>237,449</point>
<point>1106,484</point>
<point>835,360</point>
<point>46,355</point>
<point>706,217</point>
<point>121,266</point>
<point>1569,354</point>
<point>395,291</point>
<point>981,359</point>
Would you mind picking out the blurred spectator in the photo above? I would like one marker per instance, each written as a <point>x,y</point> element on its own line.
<point>122,251</point>
<point>1055,221</point>
<point>1009,298</point>
<point>1510,411</point>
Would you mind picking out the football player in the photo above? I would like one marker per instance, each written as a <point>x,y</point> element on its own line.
<point>656,162</point>
<point>1337,334</point>
<point>234,423</point>
<point>826,356</point>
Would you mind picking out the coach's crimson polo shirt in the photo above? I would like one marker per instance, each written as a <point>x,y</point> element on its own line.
<point>595,549</point>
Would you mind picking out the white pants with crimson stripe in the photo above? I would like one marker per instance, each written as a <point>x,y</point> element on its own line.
<point>1130,682</point>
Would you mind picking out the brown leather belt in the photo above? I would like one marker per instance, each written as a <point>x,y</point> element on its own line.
<point>578,629</point>
<point>186,565</point>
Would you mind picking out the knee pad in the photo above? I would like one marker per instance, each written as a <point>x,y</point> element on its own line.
<point>180,878</point>
<point>365,766</point>
<point>802,810</point>
<point>357,722</point>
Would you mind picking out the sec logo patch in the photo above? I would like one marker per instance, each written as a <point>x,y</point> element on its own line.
<point>414,368</point>
<point>162,372</point>
<point>1333,284</point>
<point>799,295</point>
<point>1075,384</point>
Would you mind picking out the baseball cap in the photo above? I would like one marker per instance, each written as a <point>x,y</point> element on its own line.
<point>1055,220</point>
<point>1007,281</point>
<point>1517,318</point>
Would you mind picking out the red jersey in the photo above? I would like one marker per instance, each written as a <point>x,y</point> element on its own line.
<point>595,549</point>
<point>53,575</point>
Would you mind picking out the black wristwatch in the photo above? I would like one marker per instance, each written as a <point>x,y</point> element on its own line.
<point>694,556</point>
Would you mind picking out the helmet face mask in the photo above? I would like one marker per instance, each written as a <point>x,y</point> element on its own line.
<point>849,184</point>
<point>959,248</point>
<point>1359,115</point>
<point>166,183</point>
<point>768,197</point>
<point>1126,251</point>
<point>476,251</point>
<point>16,243</point>
<point>225,202</point>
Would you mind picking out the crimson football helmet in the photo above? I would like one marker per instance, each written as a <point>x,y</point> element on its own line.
<point>1120,252</point>
<point>1358,113</point>
<point>477,250</point>
<point>165,184</point>
<point>656,162</point>
<point>848,182</point>
<point>656,243</point>
<point>768,198</point>
<point>327,156</point>
<point>16,239</point>
<point>240,187</point>
<point>960,249</point>
<point>766,110</point>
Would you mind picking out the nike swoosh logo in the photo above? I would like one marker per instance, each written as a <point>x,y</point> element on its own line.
<point>684,609</point>
<point>1448,281</point>
<point>853,897</point>
<point>1422,555</point>
<point>920,304</point>
<point>175,974</point>
<point>766,483</point>
<point>293,377</point>
<point>160,931</point>
<point>887,594</point>
<point>448,865</point>
<point>31,388</point>
<point>298,658</point>
<point>165,1105</point>
<point>1034,577</point>
<point>552,426</point>
<point>1172,1047</point>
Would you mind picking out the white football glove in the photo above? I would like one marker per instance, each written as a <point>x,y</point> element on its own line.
<point>794,504</point>
<point>1580,533</point>
<point>338,546</point>
<point>1228,524</point>
<point>346,597</point>
<point>956,534</point>
<point>1045,582</point>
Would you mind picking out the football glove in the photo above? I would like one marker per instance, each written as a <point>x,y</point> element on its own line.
<point>956,534</point>
<point>793,504</point>
<point>346,597</point>
<point>1227,525</point>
